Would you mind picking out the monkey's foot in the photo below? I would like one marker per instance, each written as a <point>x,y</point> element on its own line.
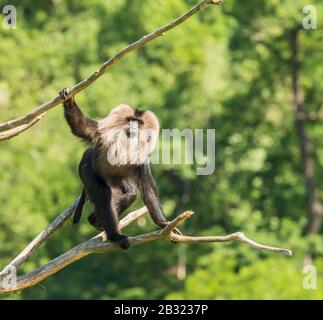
<point>121,240</point>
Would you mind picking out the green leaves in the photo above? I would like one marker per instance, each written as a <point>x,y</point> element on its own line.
<point>226,68</point>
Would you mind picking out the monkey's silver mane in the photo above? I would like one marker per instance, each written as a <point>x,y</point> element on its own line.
<point>127,142</point>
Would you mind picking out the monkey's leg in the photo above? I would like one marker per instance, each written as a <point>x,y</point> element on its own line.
<point>148,190</point>
<point>149,195</point>
<point>79,208</point>
<point>127,197</point>
<point>101,196</point>
<point>124,202</point>
<point>95,222</point>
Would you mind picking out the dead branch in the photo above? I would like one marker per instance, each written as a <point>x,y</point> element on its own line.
<point>237,236</point>
<point>40,110</point>
<point>43,236</point>
<point>15,131</point>
<point>57,224</point>
<point>98,245</point>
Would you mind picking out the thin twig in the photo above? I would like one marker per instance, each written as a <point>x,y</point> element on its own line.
<point>6,135</point>
<point>43,236</point>
<point>27,119</point>
<point>237,236</point>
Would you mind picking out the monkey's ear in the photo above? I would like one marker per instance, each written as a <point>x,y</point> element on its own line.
<point>151,120</point>
<point>123,110</point>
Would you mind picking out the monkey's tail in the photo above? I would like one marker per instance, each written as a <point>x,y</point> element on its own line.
<point>79,208</point>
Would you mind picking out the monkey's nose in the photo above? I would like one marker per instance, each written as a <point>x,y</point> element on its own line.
<point>131,133</point>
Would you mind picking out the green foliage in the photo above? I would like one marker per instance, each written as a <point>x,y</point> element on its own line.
<point>226,68</point>
<point>218,276</point>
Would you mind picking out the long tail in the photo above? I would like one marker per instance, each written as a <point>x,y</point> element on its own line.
<point>79,208</point>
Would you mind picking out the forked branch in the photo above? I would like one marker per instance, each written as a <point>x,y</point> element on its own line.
<point>40,110</point>
<point>98,244</point>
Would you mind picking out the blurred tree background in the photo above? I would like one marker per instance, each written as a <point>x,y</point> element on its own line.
<point>245,69</point>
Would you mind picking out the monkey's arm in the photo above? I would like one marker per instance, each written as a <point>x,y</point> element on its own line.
<point>148,190</point>
<point>80,125</point>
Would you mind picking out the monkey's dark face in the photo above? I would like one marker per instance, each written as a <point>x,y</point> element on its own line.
<point>129,135</point>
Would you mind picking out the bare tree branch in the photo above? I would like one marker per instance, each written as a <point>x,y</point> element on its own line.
<point>27,119</point>
<point>43,236</point>
<point>14,132</point>
<point>237,236</point>
<point>57,224</point>
<point>96,245</point>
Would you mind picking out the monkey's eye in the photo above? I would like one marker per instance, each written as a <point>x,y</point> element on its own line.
<point>133,128</point>
<point>133,120</point>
